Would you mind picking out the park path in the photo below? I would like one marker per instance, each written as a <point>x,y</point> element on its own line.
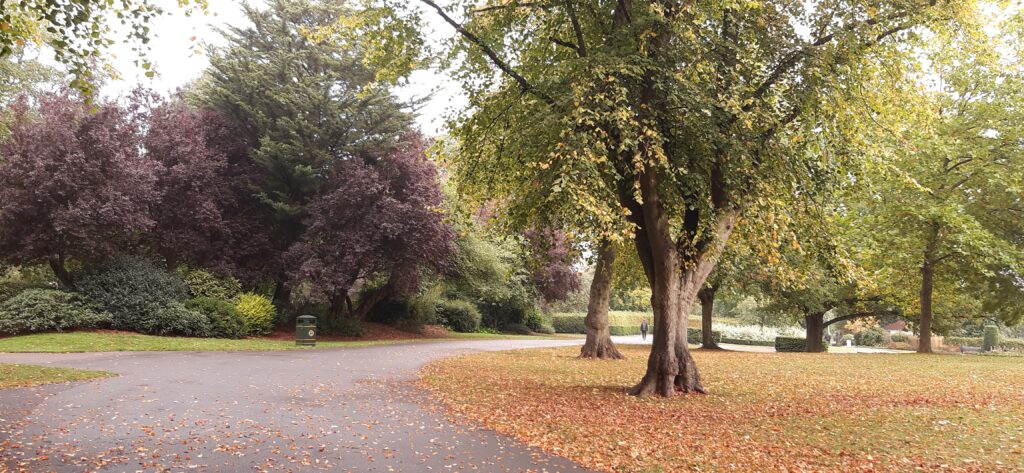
<point>337,409</point>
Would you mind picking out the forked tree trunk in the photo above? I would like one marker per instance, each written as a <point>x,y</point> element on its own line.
<point>61,272</point>
<point>815,332</point>
<point>599,341</point>
<point>707,308</point>
<point>674,285</point>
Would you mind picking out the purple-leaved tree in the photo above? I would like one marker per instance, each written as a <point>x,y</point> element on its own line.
<point>381,221</point>
<point>73,184</point>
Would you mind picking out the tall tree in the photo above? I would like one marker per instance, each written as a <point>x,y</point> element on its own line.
<point>73,183</point>
<point>326,108</point>
<point>675,116</point>
<point>379,222</point>
<point>945,213</point>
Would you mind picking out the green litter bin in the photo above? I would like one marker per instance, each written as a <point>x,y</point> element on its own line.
<point>305,330</point>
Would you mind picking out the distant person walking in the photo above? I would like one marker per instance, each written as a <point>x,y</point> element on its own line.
<point>643,329</point>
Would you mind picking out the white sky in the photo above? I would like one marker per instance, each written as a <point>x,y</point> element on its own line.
<point>178,60</point>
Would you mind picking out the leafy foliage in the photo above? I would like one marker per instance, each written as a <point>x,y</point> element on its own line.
<point>790,344</point>
<point>172,319</point>
<point>460,316</point>
<point>133,290</point>
<point>257,311</point>
<point>43,310</point>
<point>72,183</point>
<point>225,320</point>
<point>203,283</point>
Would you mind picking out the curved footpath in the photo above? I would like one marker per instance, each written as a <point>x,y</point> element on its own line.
<point>337,409</point>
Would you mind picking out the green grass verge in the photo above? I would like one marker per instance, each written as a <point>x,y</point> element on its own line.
<point>17,376</point>
<point>74,342</point>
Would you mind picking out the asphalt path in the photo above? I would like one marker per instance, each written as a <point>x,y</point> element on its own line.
<point>335,409</point>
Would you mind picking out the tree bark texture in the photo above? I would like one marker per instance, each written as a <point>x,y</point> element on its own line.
<point>675,281</point>
<point>815,332</point>
<point>599,341</point>
<point>924,344</point>
<point>61,272</point>
<point>707,308</point>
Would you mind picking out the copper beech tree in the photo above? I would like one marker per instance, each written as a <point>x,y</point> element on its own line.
<point>662,122</point>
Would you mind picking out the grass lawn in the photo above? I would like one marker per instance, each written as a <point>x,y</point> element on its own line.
<point>765,411</point>
<point>16,376</point>
<point>117,341</point>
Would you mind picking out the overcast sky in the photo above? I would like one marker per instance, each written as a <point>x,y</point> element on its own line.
<point>178,57</point>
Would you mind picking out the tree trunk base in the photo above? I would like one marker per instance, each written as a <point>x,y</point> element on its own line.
<point>602,349</point>
<point>668,375</point>
<point>712,346</point>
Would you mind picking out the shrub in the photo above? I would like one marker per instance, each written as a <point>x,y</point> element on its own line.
<point>872,337</point>
<point>225,321</point>
<point>406,314</point>
<point>790,344</point>
<point>695,336</point>
<point>9,289</point>
<point>130,288</point>
<point>203,283</point>
<point>991,338</point>
<point>519,329</point>
<point>535,320</point>
<point>257,311</point>
<point>758,343</point>
<point>460,316</point>
<point>899,338</point>
<point>1012,344</point>
<point>174,319</point>
<point>40,310</point>
<point>624,330</point>
<point>341,326</point>
<point>545,329</point>
<point>568,323</point>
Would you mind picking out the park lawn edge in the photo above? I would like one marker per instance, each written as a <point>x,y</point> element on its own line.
<point>23,376</point>
<point>91,342</point>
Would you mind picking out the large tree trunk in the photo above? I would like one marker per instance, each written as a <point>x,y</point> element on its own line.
<point>924,344</point>
<point>599,341</point>
<point>674,284</point>
<point>815,332</point>
<point>707,308</point>
<point>61,272</point>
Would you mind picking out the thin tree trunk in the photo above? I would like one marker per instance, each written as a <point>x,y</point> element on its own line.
<point>924,344</point>
<point>815,332</point>
<point>282,297</point>
<point>61,272</point>
<point>707,308</point>
<point>599,341</point>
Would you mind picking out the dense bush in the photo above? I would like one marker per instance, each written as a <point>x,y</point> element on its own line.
<point>790,344</point>
<point>991,338</point>
<point>568,323</point>
<point>41,310</point>
<point>225,321</point>
<point>257,311</point>
<point>899,338</point>
<point>340,326</point>
<point>173,319</point>
<point>203,283</point>
<point>695,336</point>
<point>520,329</point>
<point>9,289</point>
<point>130,288</point>
<point>546,328</point>
<point>460,316</point>
<point>407,314</point>
<point>756,343</point>
<point>536,321</point>
<point>872,337</point>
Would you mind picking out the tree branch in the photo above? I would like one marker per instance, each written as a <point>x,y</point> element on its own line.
<point>567,44</point>
<point>541,5</point>
<point>493,56</point>
<point>570,10</point>
<point>847,317</point>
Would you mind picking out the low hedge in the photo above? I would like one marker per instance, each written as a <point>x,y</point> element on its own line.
<point>792,345</point>
<point>567,323</point>
<point>1008,344</point>
<point>695,336</point>
<point>755,343</point>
